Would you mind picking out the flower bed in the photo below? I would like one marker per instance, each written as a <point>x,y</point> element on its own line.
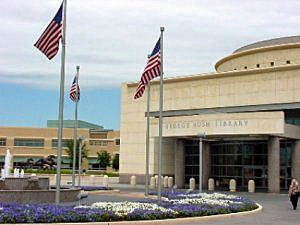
<point>176,205</point>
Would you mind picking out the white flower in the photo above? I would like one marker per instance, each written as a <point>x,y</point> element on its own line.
<point>123,208</point>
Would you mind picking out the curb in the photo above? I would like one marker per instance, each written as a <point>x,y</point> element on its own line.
<point>113,191</point>
<point>169,221</point>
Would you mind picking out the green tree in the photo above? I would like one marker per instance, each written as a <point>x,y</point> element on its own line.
<point>104,159</point>
<point>115,162</point>
<point>69,150</point>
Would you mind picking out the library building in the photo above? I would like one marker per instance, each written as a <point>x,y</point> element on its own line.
<point>247,112</point>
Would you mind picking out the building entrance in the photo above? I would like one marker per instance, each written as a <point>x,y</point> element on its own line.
<point>239,160</point>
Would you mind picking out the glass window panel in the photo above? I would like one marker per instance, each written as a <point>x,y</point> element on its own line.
<point>282,172</point>
<point>188,160</point>
<point>229,160</point>
<point>258,172</point>
<point>196,170</point>
<point>238,160</point>
<point>216,171</point>
<point>238,171</point>
<point>259,148</point>
<point>189,170</point>
<point>29,142</point>
<point>222,171</point>
<point>248,149</point>
<point>282,183</point>
<point>239,182</point>
<point>230,171</point>
<point>289,156</point>
<point>260,182</point>
<point>215,160</point>
<point>221,160</point>
<point>234,156</point>
<point>248,160</point>
<point>248,173</point>
<point>2,141</point>
<point>260,160</point>
<point>289,172</point>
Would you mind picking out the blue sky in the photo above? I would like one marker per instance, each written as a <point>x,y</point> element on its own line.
<point>25,106</point>
<point>110,40</point>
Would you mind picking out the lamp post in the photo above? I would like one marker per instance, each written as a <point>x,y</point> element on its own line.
<point>81,139</point>
<point>201,137</point>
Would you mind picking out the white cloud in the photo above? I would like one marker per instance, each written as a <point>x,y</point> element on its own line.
<point>110,39</point>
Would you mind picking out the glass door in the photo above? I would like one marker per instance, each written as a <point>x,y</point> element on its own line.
<point>285,164</point>
<point>256,173</point>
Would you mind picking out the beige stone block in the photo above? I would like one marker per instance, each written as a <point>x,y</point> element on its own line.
<point>251,186</point>
<point>192,184</point>
<point>232,185</point>
<point>165,183</point>
<point>133,181</point>
<point>211,184</point>
<point>170,182</point>
<point>152,182</point>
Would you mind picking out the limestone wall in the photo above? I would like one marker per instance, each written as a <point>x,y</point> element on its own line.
<point>238,88</point>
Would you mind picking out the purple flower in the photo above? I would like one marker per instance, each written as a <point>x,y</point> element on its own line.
<point>178,203</point>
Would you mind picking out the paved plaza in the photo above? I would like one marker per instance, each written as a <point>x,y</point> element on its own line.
<point>276,207</point>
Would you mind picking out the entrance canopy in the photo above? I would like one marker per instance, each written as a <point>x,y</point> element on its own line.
<point>224,124</point>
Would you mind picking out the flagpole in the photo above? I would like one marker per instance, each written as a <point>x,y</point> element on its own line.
<point>160,116</point>
<point>61,105</point>
<point>75,128</point>
<point>147,140</point>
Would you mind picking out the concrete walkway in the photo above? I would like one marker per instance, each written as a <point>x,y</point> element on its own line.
<point>276,207</point>
<point>276,210</point>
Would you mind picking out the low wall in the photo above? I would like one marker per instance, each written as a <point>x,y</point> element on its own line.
<point>25,183</point>
<point>38,196</point>
<point>84,179</point>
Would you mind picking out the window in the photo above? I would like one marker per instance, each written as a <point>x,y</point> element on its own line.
<point>97,135</point>
<point>29,142</point>
<point>98,142</point>
<point>272,63</point>
<point>2,141</point>
<point>245,67</point>
<point>54,143</point>
<point>118,141</point>
<point>288,62</point>
<point>257,65</point>
<point>292,116</point>
<point>241,160</point>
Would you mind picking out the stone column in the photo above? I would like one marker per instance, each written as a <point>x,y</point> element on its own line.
<point>273,165</point>
<point>296,159</point>
<point>206,167</point>
<point>179,164</point>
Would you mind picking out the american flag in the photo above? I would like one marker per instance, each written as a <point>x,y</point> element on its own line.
<point>151,71</point>
<point>48,43</point>
<point>75,90</point>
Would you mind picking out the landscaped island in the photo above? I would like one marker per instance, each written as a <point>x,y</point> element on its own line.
<point>173,205</point>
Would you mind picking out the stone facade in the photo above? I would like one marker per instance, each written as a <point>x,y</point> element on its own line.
<point>96,141</point>
<point>245,98</point>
